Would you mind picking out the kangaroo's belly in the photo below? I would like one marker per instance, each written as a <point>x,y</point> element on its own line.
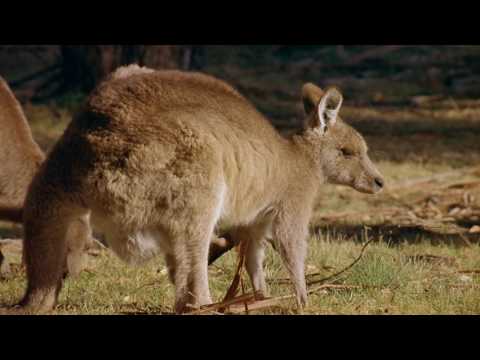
<point>132,246</point>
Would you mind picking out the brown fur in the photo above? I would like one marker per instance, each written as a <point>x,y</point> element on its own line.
<point>20,159</point>
<point>162,159</point>
<point>20,156</point>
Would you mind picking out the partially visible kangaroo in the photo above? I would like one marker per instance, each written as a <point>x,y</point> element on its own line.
<point>20,156</point>
<point>20,159</point>
<point>161,159</point>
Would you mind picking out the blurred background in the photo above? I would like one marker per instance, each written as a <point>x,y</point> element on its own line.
<point>270,75</point>
<point>417,106</point>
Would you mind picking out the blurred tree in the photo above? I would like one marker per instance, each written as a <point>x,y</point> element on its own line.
<point>81,67</point>
<point>84,66</point>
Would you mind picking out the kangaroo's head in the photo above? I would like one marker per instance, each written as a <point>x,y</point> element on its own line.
<point>339,151</point>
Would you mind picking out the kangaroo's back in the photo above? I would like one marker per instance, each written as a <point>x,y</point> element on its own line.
<point>163,116</point>
<point>145,98</point>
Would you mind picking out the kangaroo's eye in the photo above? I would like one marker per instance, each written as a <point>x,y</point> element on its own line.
<point>346,152</point>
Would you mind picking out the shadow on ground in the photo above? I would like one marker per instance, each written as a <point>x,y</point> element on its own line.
<point>394,235</point>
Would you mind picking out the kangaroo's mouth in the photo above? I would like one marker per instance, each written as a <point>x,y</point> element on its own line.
<point>373,186</point>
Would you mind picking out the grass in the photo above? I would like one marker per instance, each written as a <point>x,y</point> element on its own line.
<point>398,279</point>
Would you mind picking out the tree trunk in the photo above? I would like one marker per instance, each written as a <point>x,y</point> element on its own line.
<point>84,66</point>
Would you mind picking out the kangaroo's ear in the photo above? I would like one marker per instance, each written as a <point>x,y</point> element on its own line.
<point>327,110</point>
<point>311,95</point>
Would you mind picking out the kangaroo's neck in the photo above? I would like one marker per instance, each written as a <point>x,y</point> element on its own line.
<point>303,165</point>
<point>290,169</point>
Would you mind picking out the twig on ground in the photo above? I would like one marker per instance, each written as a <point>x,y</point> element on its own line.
<point>152,283</point>
<point>471,271</point>
<point>233,289</point>
<point>223,304</point>
<point>337,274</point>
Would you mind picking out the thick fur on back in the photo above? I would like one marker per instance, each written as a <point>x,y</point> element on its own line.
<point>147,140</point>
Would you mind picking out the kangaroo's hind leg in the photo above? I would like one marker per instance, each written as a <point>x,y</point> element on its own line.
<point>79,239</point>
<point>189,238</point>
<point>189,267</point>
<point>45,248</point>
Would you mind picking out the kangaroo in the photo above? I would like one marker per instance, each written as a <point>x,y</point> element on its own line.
<point>163,159</point>
<point>20,159</point>
<point>20,155</point>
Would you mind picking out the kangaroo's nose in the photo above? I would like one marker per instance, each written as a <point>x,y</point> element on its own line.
<point>380,182</point>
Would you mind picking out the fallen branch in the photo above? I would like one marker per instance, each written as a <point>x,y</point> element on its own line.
<point>472,271</point>
<point>222,305</point>
<point>237,279</point>
<point>337,274</point>
<point>287,281</point>
<point>258,305</point>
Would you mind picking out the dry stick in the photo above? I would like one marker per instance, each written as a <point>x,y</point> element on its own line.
<point>222,305</point>
<point>99,243</point>
<point>243,293</point>
<point>232,291</point>
<point>152,283</point>
<point>472,271</point>
<point>313,282</point>
<point>261,304</point>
